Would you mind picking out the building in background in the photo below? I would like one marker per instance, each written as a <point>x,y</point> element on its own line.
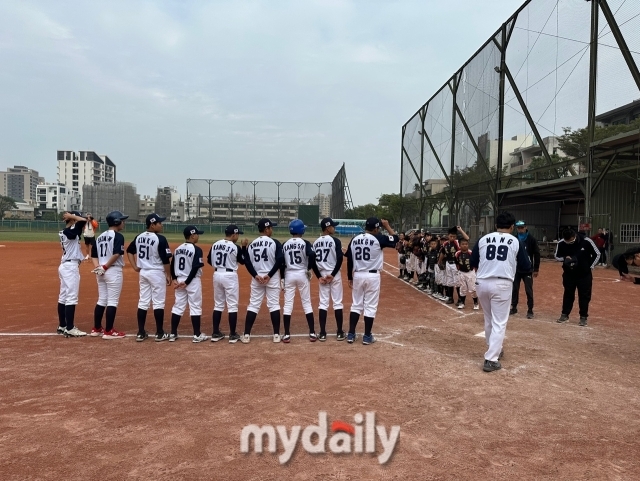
<point>23,210</point>
<point>622,115</point>
<point>169,204</point>
<point>57,197</point>
<point>102,198</point>
<point>147,206</point>
<point>324,203</point>
<point>75,170</point>
<point>20,183</point>
<point>521,157</point>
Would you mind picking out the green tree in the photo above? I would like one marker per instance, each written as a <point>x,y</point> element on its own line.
<point>6,204</point>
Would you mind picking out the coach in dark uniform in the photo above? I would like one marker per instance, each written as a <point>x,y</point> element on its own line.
<point>579,255</point>
<point>533,252</point>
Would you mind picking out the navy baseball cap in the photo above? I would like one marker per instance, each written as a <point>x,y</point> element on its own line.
<point>190,230</point>
<point>232,229</point>
<point>264,223</point>
<point>153,219</point>
<point>521,223</point>
<point>328,222</point>
<point>372,223</point>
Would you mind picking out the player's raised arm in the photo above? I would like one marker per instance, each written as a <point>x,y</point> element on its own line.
<point>462,233</point>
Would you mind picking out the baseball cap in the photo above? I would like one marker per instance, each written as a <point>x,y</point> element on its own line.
<point>190,230</point>
<point>372,223</point>
<point>153,219</point>
<point>264,223</point>
<point>521,223</point>
<point>232,229</point>
<point>328,222</point>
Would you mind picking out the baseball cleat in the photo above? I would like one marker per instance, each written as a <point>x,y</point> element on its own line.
<point>233,338</point>
<point>476,306</point>
<point>246,339</point>
<point>286,338</point>
<point>351,337</point>
<point>276,338</point>
<point>113,334</point>
<point>340,336</point>
<point>366,340</point>
<point>172,337</point>
<point>74,332</point>
<point>449,300</point>
<point>96,332</point>
<point>583,321</point>
<point>219,336</point>
<point>529,314</point>
<point>563,318</point>
<point>200,338</point>
<point>460,306</point>
<point>313,337</point>
<point>501,354</point>
<point>322,337</point>
<point>141,336</point>
<point>490,366</point>
<point>163,337</point>
<point>60,330</point>
<point>513,311</point>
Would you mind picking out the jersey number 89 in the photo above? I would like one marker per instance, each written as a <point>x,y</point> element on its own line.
<point>362,253</point>
<point>500,255</point>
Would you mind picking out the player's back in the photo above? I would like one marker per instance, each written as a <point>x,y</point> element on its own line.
<point>148,245</point>
<point>224,255</point>
<point>187,257</point>
<point>296,252</point>
<point>326,248</point>
<point>70,242</point>
<point>366,253</point>
<point>498,254</point>
<point>107,245</point>
<point>262,254</point>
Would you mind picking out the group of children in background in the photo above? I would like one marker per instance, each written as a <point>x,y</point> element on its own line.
<point>438,265</point>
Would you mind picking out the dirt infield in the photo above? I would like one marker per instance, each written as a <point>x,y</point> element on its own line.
<point>565,406</point>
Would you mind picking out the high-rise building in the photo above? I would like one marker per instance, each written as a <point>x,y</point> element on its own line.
<point>169,204</point>
<point>102,198</point>
<point>76,170</point>
<point>20,183</point>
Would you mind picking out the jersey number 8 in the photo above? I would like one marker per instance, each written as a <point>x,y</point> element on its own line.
<point>363,253</point>
<point>181,263</point>
<point>501,254</point>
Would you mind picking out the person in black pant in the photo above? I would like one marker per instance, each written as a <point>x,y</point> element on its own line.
<point>579,255</point>
<point>533,252</point>
<point>629,258</point>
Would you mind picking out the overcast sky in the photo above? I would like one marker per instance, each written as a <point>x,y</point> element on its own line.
<point>264,90</point>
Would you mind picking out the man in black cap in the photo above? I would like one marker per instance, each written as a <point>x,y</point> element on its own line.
<point>533,252</point>
<point>149,254</point>
<point>329,261</point>
<point>364,263</point>
<point>264,261</point>
<point>225,256</point>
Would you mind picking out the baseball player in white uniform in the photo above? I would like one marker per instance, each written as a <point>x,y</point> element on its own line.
<point>299,257</point>
<point>329,258</point>
<point>106,255</point>
<point>496,257</point>
<point>186,270</point>
<point>364,262</point>
<point>149,254</point>
<point>265,262</point>
<point>225,256</point>
<point>69,273</point>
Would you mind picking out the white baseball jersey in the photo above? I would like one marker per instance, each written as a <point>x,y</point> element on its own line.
<point>70,242</point>
<point>364,253</point>
<point>107,245</point>
<point>225,254</point>
<point>151,249</point>
<point>298,254</point>
<point>329,254</point>
<point>264,256</point>
<point>187,262</point>
<point>497,255</point>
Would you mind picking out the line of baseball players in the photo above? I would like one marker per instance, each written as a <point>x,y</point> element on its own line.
<point>274,267</point>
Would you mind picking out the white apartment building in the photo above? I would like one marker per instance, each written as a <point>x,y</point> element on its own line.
<point>57,197</point>
<point>85,167</point>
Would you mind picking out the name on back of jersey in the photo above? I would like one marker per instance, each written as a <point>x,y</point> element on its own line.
<point>362,241</point>
<point>499,240</point>
<point>322,243</point>
<point>184,252</point>
<point>293,246</point>
<point>146,240</point>
<point>224,247</point>
<point>260,243</point>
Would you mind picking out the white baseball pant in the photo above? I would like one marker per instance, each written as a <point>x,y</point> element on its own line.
<point>439,276</point>
<point>271,290</point>
<point>494,295</point>
<point>153,288</point>
<point>69,274</point>
<point>110,287</point>
<point>450,275</point>
<point>467,282</point>
<point>296,280</point>
<point>401,265</point>
<point>191,294</point>
<point>366,293</point>
<point>226,289</point>
<point>332,291</point>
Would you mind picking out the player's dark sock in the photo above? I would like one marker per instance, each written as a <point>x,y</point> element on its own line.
<point>275,321</point>
<point>111,317</point>
<point>450,292</point>
<point>339,320</point>
<point>158,314</point>
<point>311,322</point>
<point>322,319</point>
<point>98,312</point>
<point>175,321</point>
<point>368,325</point>
<point>217,317</point>
<point>69,315</point>
<point>61,320</point>
<point>142,318</point>
<point>195,322</point>
<point>462,299</point>
<point>475,301</point>
<point>286,319</point>
<point>233,322</point>
<point>248,323</point>
<point>353,322</point>
<point>458,291</point>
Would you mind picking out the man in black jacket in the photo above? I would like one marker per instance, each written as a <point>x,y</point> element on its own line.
<point>579,255</point>
<point>533,252</point>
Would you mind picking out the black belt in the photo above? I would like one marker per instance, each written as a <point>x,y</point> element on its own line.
<point>373,272</point>
<point>73,260</point>
<point>451,262</point>
<point>221,269</point>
